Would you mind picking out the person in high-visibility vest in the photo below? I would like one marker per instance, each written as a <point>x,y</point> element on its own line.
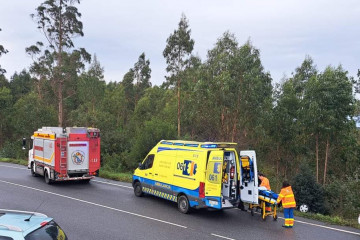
<point>286,196</point>
<point>265,183</point>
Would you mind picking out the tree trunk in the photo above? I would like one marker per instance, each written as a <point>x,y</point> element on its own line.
<point>59,75</point>
<point>179,110</point>
<point>277,165</point>
<point>317,158</point>
<point>326,159</point>
<point>233,131</point>
<point>60,97</point>
<point>222,123</point>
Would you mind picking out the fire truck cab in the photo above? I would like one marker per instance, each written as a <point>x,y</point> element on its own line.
<point>61,154</point>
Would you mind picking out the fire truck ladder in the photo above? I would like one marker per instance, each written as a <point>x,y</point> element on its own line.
<point>63,156</point>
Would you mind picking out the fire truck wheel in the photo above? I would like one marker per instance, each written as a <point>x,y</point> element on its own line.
<point>47,178</point>
<point>138,189</point>
<point>183,204</point>
<point>33,170</point>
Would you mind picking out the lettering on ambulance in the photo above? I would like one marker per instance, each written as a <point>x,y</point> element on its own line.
<point>214,176</point>
<point>188,167</point>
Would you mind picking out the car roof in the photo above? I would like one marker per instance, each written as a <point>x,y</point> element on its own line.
<point>13,224</point>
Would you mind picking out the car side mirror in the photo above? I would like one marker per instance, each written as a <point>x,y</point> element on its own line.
<point>140,165</point>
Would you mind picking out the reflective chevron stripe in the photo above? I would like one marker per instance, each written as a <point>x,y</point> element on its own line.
<point>159,194</point>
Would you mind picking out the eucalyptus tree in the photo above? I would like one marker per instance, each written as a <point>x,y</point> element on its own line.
<point>21,84</point>
<point>177,53</point>
<point>240,88</point>
<point>142,75</point>
<point>222,81</point>
<point>304,75</point>
<point>2,51</point>
<point>329,103</point>
<point>58,21</point>
<point>91,89</point>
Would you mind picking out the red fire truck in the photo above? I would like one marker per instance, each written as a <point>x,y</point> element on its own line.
<point>61,154</point>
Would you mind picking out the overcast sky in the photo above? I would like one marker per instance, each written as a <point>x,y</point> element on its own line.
<point>118,31</point>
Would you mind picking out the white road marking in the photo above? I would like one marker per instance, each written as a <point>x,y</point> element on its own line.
<point>95,204</point>
<point>221,236</point>
<point>112,184</point>
<point>23,168</point>
<point>317,225</point>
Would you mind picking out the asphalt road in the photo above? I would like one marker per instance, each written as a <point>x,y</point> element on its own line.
<point>108,210</point>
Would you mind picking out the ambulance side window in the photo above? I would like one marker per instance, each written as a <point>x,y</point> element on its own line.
<point>148,163</point>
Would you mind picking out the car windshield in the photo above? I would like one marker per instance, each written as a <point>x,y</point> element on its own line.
<point>50,231</point>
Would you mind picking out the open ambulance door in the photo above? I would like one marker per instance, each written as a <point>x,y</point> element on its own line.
<point>213,179</point>
<point>249,192</point>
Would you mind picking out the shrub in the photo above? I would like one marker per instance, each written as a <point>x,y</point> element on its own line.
<point>343,195</point>
<point>308,191</point>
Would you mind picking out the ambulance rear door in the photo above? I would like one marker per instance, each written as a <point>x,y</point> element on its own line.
<point>248,177</point>
<point>213,179</point>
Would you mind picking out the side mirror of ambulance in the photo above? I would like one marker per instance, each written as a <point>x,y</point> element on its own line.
<point>140,165</point>
<point>23,143</point>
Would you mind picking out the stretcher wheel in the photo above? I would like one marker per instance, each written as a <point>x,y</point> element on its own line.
<point>275,217</point>
<point>264,218</point>
<point>252,212</point>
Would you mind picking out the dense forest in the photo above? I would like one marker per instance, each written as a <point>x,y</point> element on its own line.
<point>303,128</point>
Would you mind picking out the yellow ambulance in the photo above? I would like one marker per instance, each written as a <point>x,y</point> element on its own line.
<point>198,174</point>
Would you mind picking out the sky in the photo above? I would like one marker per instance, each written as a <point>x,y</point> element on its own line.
<point>118,32</point>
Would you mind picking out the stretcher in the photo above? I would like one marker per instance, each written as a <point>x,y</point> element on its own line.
<point>266,199</point>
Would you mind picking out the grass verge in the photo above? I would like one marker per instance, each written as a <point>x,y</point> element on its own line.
<point>123,177</point>
<point>335,220</point>
<point>16,161</point>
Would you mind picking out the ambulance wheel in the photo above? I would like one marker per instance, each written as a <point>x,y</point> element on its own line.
<point>183,204</point>
<point>47,178</point>
<point>138,189</point>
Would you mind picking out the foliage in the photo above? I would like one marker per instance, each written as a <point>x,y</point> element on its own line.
<point>177,54</point>
<point>307,191</point>
<point>59,22</point>
<point>2,51</point>
<point>343,195</point>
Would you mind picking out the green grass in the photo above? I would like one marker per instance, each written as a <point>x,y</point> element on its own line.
<point>17,161</point>
<point>123,177</point>
<point>335,220</point>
